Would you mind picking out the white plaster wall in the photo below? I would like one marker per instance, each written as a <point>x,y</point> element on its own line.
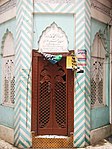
<point>7,134</point>
<point>100,133</point>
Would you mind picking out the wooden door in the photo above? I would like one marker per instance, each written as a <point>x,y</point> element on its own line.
<point>53,106</point>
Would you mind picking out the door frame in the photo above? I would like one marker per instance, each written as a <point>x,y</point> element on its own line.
<point>70,94</point>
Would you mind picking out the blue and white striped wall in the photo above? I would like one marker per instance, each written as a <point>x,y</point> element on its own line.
<point>24,25</point>
<point>82,81</point>
<point>24,35</point>
<point>54,8</point>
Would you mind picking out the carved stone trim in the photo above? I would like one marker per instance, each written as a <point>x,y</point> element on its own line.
<point>8,5</point>
<point>100,7</point>
<point>3,2</point>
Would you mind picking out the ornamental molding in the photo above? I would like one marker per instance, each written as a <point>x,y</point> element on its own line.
<point>3,2</point>
<point>4,37</point>
<point>101,7</point>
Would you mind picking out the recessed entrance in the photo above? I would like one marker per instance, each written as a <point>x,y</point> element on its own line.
<point>52,97</point>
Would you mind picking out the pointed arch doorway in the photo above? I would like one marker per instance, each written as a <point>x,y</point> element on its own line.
<point>52,97</point>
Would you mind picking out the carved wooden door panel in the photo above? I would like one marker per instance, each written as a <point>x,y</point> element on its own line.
<point>59,99</point>
<point>44,98</point>
<point>52,101</point>
<point>52,97</point>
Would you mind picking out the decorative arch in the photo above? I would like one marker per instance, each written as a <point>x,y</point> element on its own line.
<point>53,39</point>
<point>6,36</point>
<point>102,36</point>
<point>8,78</point>
<point>98,69</point>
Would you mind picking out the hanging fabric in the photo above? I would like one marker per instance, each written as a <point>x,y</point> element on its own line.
<point>52,58</point>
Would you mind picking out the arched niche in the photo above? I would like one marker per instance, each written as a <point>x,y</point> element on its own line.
<point>7,44</point>
<point>98,69</point>
<point>99,45</point>
<point>8,78</point>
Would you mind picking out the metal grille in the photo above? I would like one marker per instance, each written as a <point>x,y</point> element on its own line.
<point>60,98</point>
<point>60,109</point>
<point>44,100</point>
<point>97,77</point>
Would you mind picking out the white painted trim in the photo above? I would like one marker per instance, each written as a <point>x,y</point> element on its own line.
<point>3,2</point>
<point>8,15</point>
<point>7,134</point>
<point>99,16</point>
<point>100,133</point>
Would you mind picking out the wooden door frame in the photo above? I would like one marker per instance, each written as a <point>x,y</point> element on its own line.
<point>34,105</point>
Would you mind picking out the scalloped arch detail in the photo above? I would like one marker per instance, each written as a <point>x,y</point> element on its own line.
<point>4,39</point>
<point>101,34</point>
<point>101,39</point>
<point>53,39</point>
